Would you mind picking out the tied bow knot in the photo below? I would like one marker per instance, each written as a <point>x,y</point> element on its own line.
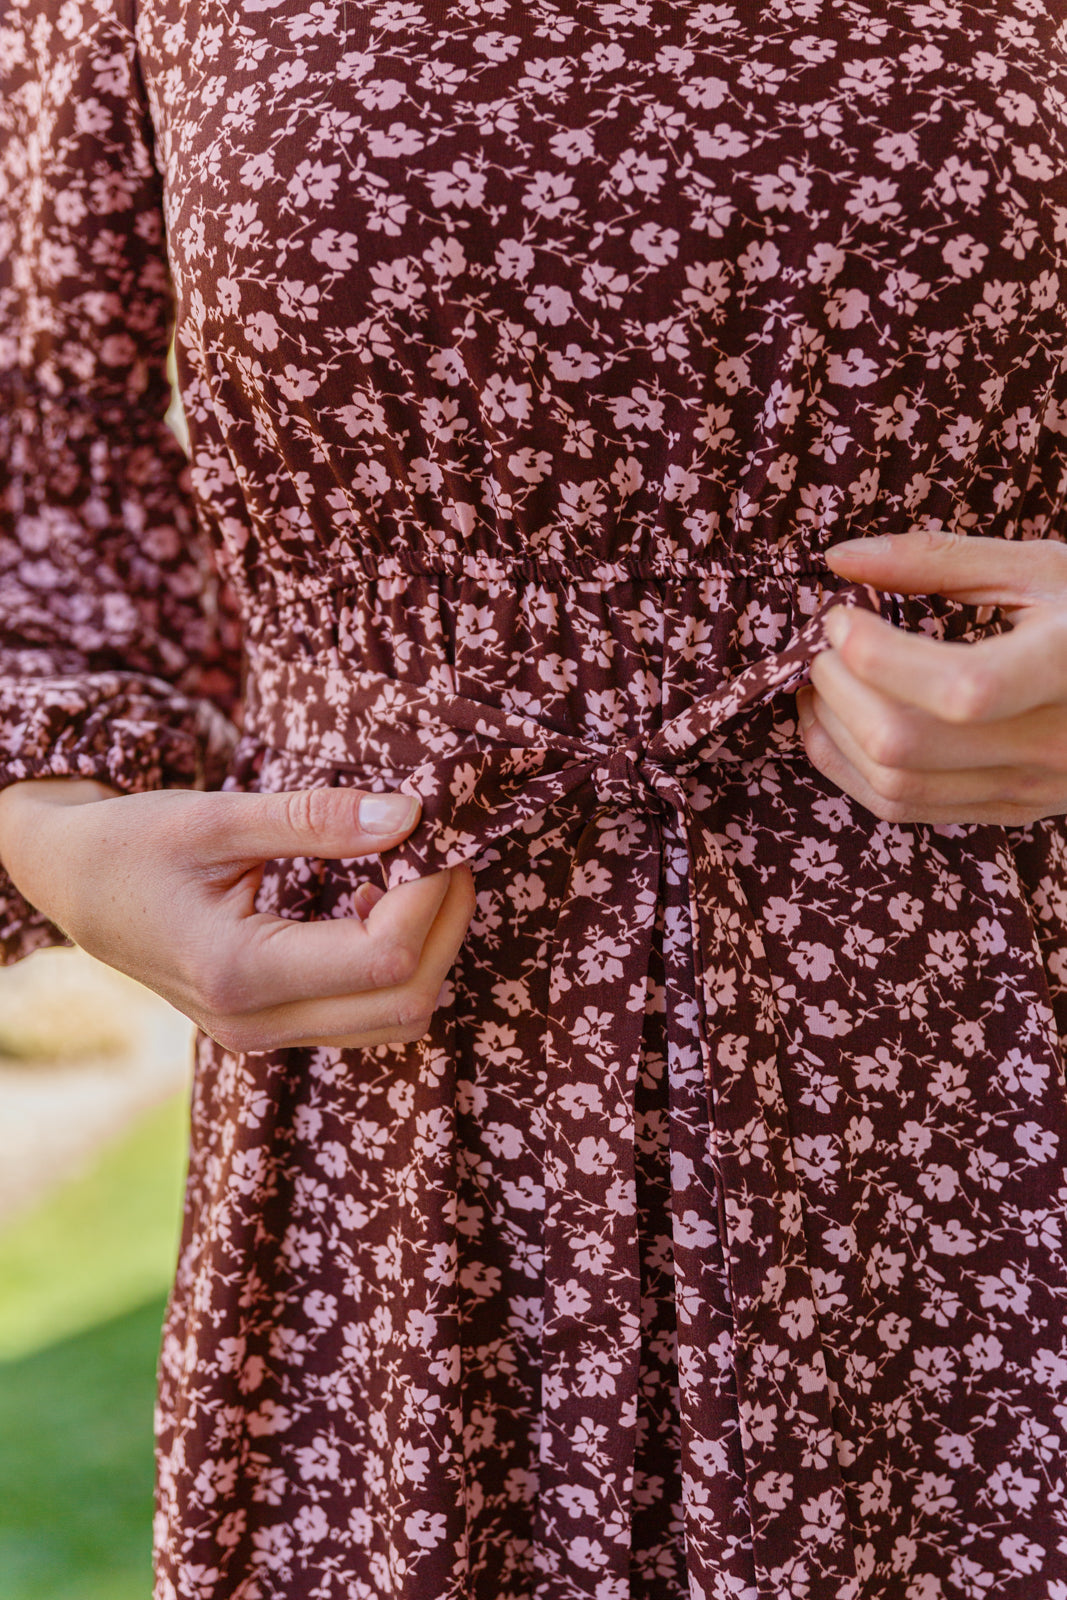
<point>630,780</point>
<point>488,776</point>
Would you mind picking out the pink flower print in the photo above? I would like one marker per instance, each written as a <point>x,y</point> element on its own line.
<point>573,364</point>
<point>505,399</point>
<point>1024,1557</point>
<point>705,94</point>
<point>313,181</point>
<point>582,503</point>
<point>1010,1486</point>
<point>573,146</point>
<point>958,180</point>
<point>427,1529</point>
<point>854,371</point>
<point>594,1156</point>
<point>639,409</point>
<point>550,304</point>
<point>637,172</point>
<point>338,251</point>
<point>496,46</point>
<point>272,1547</point>
<point>847,308</point>
<point>604,285</point>
<point>592,1254</point>
<point>760,261</point>
<point>897,149</point>
<point>786,190</point>
<point>816,1157</point>
<point>442,77</point>
<point>829,1020</point>
<point>380,94</point>
<point>713,212</point>
<point>261,330</point>
<point>654,244</point>
<point>461,185</point>
<point>999,306</point>
<point>572,1299</point>
<point>822,1518</point>
<point>1022,1074</point>
<point>547,76</point>
<point>812,50</point>
<point>920,58</point>
<point>551,195</point>
<point>866,78</point>
<point>243,224</point>
<point>597,1374</point>
<point>1040,1144</point>
<point>395,140</point>
<point>514,261</point>
<point>714,429</point>
<point>318,1461</point>
<point>708,286</point>
<point>814,961</point>
<point>1005,1291</point>
<point>774,1489</point>
<point>762,77</point>
<point>1033,162</point>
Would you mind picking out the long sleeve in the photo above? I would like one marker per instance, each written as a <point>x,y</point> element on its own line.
<point>117,659</point>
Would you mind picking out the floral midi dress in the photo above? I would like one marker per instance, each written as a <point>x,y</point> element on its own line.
<point>712,1242</point>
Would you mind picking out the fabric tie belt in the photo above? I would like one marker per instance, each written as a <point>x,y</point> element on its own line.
<point>482,774</point>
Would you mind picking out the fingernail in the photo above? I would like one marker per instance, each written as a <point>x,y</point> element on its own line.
<point>837,625</point>
<point>387,813</point>
<point>804,711</point>
<point>367,897</point>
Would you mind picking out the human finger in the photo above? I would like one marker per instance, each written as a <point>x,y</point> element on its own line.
<point>982,681</point>
<point>964,567</point>
<point>873,726</point>
<point>398,1014</point>
<point>273,962</point>
<point>324,823</point>
<point>1007,796</point>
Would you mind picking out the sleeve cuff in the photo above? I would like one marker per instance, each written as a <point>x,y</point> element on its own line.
<point>131,732</point>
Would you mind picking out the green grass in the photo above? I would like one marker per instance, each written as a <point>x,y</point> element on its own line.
<point>99,1245</point>
<point>83,1281</point>
<point>76,1465</point>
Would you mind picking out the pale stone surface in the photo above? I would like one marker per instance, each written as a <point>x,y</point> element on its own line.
<point>83,1050</point>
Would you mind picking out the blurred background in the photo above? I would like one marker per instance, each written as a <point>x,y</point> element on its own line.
<point>94,1076</point>
<point>94,1084</point>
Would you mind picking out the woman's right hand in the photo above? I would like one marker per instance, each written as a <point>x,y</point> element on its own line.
<point>163,886</point>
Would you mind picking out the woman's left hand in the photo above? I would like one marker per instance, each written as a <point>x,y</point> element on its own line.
<point>920,730</point>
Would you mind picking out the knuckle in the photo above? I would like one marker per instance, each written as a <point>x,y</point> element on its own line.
<point>308,810</point>
<point>862,652</point>
<point>394,965</point>
<point>943,541</point>
<point>218,993</point>
<point>888,743</point>
<point>892,785</point>
<point>414,1014</point>
<point>237,1037</point>
<point>890,810</point>
<point>1032,786</point>
<point>969,694</point>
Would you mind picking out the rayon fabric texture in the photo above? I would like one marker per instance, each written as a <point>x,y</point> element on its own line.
<point>533,355</point>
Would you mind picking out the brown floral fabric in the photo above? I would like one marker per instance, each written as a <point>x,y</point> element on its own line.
<point>711,1245</point>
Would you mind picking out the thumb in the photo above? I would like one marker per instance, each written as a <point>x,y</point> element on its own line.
<point>978,572</point>
<point>330,824</point>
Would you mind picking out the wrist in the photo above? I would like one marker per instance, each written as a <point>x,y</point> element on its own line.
<point>24,808</point>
